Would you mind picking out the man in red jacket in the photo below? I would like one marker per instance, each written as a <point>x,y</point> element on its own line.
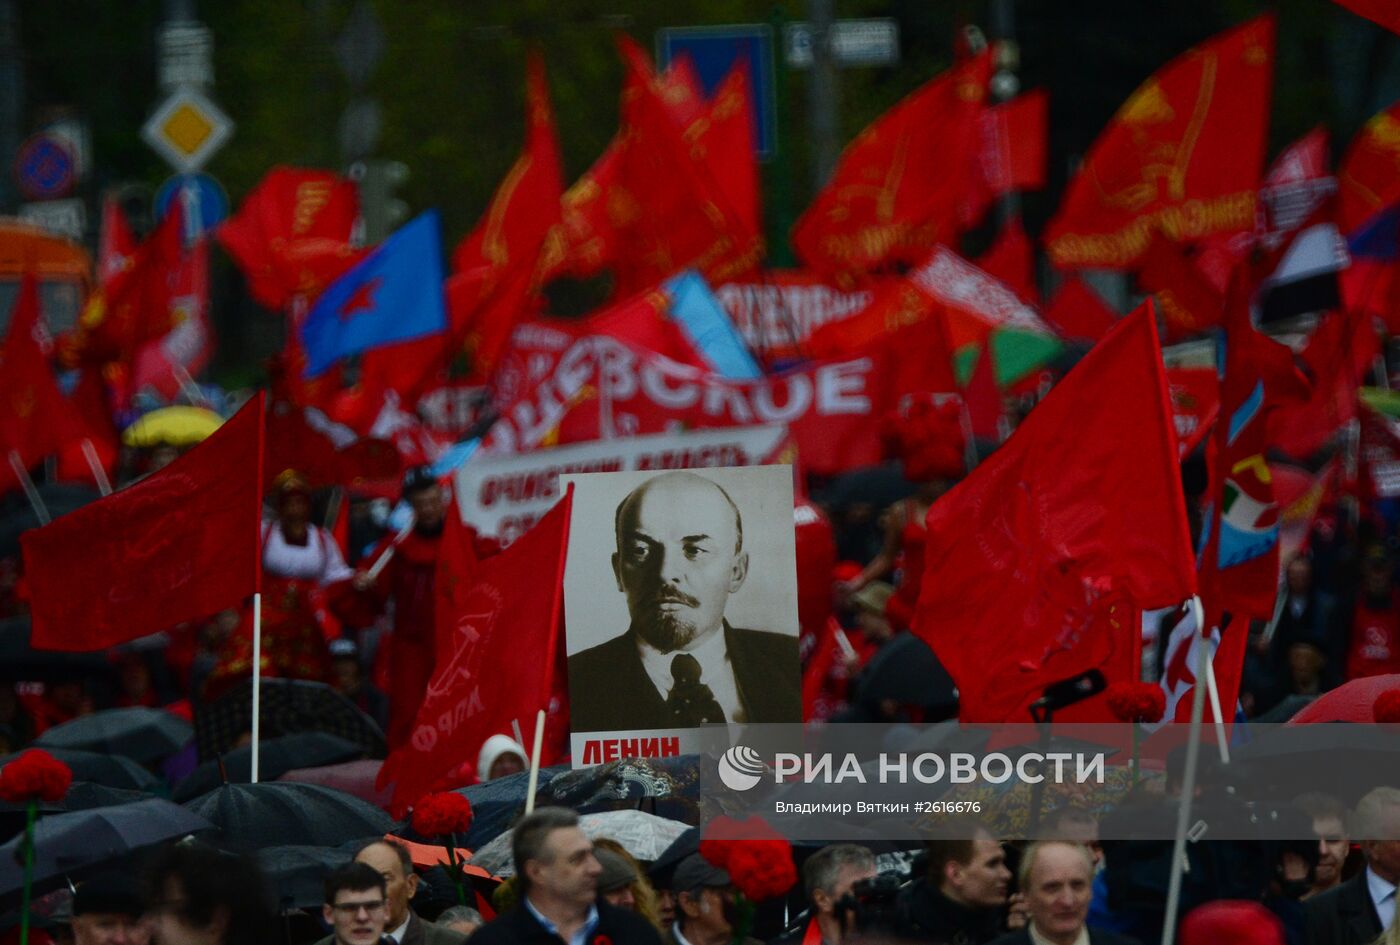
<point>409,578</point>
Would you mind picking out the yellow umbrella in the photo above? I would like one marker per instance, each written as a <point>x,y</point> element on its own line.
<point>172,426</point>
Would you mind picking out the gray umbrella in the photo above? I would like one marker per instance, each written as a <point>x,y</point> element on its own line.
<point>112,771</point>
<point>274,813</point>
<point>67,842</point>
<point>141,734</point>
<point>645,836</point>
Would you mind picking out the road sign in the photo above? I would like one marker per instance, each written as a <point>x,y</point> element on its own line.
<point>206,203</point>
<point>853,43</point>
<point>60,217</point>
<point>185,54</point>
<point>713,50</point>
<point>45,167</point>
<point>187,129</point>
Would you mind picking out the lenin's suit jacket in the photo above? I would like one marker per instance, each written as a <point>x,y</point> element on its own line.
<point>1343,915</point>
<point>609,689</point>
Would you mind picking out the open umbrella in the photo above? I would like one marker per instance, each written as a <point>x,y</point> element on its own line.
<point>81,795</point>
<point>906,671</point>
<point>352,777</point>
<point>643,835</point>
<point>141,734</point>
<point>277,756</point>
<point>288,706</point>
<point>1345,761</point>
<point>275,813</point>
<point>1349,702</point>
<point>113,771</point>
<point>64,843</point>
<point>298,873</point>
<point>172,426</point>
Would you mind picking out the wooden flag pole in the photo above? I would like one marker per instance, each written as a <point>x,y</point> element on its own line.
<point>36,501</point>
<point>535,763</point>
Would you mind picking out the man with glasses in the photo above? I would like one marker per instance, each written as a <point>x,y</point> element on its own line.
<point>356,906</point>
<point>394,864</point>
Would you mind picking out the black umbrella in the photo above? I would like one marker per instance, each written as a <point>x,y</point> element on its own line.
<point>298,873</point>
<point>494,805</point>
<point>138,733</point>
<point>64,843</point>
<point>81,796</point>
<point>277,813</point>
<point>288,706</point>
<point>906,671</point>
<point>18,662</point>
<point>1341,759</point>
<point>276,758</point>
<point>112,771</point>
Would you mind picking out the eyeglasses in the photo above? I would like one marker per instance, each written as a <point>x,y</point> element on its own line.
<point>355,908</point>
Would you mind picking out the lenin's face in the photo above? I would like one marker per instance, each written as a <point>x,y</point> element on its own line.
<point>678,558</point>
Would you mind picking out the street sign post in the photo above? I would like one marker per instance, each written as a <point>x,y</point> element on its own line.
<point>187,129</point>
<point>713,50</point>
<point>854,43</point>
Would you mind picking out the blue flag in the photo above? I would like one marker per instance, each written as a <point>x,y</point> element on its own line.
<point>709,327</point>
<point>394,294</point>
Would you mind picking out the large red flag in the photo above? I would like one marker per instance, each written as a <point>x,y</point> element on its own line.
<point>1182,154</point>
<point>1039,562</point>
<point>722,138</point>
<point>898,187</point>
<point>135,307</point>
<point>496,638</point>
<point>167,364</point>
<point>181,544</point>
<point>1078,312</point>
<point>35,419</point>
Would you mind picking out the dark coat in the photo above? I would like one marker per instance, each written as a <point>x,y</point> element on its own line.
<point>419,932</point>
<point>519,927</point>
<point>1343,915</point>
<point>1096,937</point>
<point>926,915</point>
<point>610,691</point>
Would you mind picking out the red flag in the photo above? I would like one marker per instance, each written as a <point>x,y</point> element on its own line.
<point>179,545</point>
<point>94,415</point>
<point>1183,154</point>
<point>1189,303</point>
<point>1011,151</point>
<point>722,139</point>
<point>1078,313</point>
<point>497,634</point>
<point>983,398</point>
<point>1381,12</point>
<point>1239,572</point>
<point>1366,178</point>
<point>167,364</point>
<point>1195,394</point>
<point>324,452</point>
<point>1011,258</point>
<point>1341,350</point>
<point>137,307</point>
<point>288,206</point>
<point>35,419</point>
<point>898,186</point>
<point>116,245</point>
<point>1030,575</point>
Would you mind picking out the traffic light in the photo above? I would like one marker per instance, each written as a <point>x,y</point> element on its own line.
<point>381,211</point>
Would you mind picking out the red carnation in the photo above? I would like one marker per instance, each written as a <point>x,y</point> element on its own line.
<point>1387,706</point>
<point>35,775</point>
<point>1136,701</point>
<point>757,858</point>
<point>440,814</point>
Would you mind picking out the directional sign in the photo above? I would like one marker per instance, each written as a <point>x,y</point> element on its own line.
<point>45,168</point>
<point>187,129</point>
<point>713,50</point>
<point>853,43</point>
<point>204,199</point>
<point>60,217</point>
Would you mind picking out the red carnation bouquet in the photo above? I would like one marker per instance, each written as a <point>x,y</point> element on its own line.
<point>34,776</point>
<point>757,858</point>
<point>444,816</point>
<point>1386,709</point>
<point>1138,703</point>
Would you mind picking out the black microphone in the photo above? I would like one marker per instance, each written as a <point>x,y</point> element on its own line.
<point>1066,692</point>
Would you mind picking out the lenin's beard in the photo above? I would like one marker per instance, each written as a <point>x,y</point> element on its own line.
<point>669,629</point>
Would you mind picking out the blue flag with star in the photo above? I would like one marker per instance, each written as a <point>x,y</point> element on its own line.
<point>394,294</point>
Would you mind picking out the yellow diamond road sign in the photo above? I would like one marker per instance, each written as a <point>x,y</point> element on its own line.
<point>187,129</point>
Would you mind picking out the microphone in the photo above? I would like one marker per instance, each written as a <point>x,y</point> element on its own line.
<point>1066,692</point>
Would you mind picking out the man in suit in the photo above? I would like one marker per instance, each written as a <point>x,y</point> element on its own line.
<point>680,555</point>
<point>394,863</point>
<point>1357,911</point>
<point>355,906</point>
<point>1056,877</point>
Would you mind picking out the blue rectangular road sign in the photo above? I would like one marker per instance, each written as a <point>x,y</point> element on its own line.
<point>713,50</point>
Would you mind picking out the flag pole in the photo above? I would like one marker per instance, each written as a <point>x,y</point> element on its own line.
<point>257,591</point>
<point>1220,736</point>
<point>36,501</point>
<point>1188,788</point>
<point>99,475</point>
<point>535,763</point>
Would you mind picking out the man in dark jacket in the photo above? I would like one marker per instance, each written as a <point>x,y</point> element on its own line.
<point>1056,877</point>
<point>558,877</point>
<point>1357,911</point>
<point>393,862</point>
<point>962,900</point>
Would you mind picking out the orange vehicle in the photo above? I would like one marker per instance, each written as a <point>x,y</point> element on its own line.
<point>64,269</point>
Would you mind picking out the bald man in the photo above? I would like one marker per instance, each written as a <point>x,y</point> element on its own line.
<point>680,555</point>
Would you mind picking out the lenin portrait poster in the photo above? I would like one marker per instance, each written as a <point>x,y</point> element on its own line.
<point>680,605</point>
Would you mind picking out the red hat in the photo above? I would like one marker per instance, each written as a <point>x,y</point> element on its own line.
<point>1232,921</point>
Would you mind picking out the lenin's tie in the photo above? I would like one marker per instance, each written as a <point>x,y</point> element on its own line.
<point>691,702</point>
